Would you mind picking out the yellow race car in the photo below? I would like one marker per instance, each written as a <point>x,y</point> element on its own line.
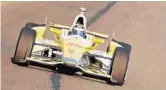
<point>75,47</point>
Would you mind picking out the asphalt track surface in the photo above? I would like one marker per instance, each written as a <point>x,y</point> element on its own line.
<point>141,24</point>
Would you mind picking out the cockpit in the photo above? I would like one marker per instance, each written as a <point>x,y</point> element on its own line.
<point>79,30</point>
<point>80,33</point>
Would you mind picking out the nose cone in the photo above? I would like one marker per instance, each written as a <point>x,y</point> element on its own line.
<point>73,51</point>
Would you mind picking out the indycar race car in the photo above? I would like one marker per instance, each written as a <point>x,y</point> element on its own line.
<point>73,46</point>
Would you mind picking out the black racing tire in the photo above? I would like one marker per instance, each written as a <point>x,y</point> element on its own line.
<point>24,46</point>
<point>119,64</point>
<point>30,25</point>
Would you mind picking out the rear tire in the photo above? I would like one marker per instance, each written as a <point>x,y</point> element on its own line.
<point>24,46</point>
<point>119,67</point>
<point>31,25</point>
<point>119,64</point>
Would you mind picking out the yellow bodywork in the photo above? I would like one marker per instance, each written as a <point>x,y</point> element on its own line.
<point>76,45</point>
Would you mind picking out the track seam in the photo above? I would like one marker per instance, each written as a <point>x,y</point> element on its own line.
<point>100,13</point>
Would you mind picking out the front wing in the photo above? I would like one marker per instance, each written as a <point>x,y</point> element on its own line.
<point>39,57</point>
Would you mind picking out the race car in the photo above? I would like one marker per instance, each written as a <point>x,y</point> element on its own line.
<point>73,46</point>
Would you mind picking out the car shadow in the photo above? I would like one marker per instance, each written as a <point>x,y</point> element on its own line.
<point>61,69</point>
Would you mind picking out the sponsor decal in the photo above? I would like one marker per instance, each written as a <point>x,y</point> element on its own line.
<point>71,51</point>
<point>73,44</point>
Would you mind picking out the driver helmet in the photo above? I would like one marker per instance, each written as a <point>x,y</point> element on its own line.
<point>79,30</point>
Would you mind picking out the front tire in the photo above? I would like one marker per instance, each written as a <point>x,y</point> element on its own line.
<point>24,46</point>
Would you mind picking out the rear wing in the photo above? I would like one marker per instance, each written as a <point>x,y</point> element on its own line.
<point>100,35</point>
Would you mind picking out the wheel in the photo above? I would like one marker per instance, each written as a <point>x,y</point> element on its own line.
<point>119,64</point>
<point>24,46</point>
<point>30,25</point>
